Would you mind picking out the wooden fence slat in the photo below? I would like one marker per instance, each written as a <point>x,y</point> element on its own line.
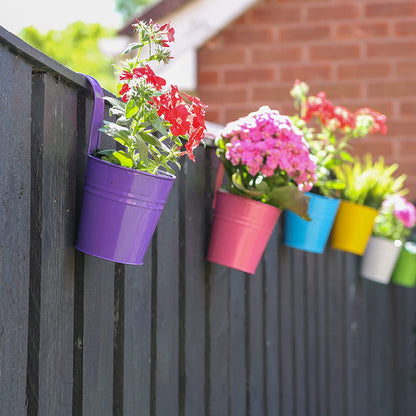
<point>380,334</point>
<point>336,329</point>
<point>98,337</point>
<point>192,209</point>
<point>322,334</point>
<point>353,329</point>
<point>286,359</point>
<point>271,327</point>
<point>299,331</point>
<point>410,337</point>
<point>167,337</point>
<point>15,228</point>
<point>57,264</point>
<point>312,325</point>
<point>137,337</point>
<point>219,339</point>
<point>237,345</point>
<point>256,342</point>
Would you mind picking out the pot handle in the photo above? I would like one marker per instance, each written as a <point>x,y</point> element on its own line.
<point>218,183</point>
<point>97,115</point>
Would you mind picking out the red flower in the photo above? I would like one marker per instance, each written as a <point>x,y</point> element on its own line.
<point>345,117</point>
<point>178,118</point>
<point>126,75</point>
<point>123,92</point>
<point>378,119</point>
<point>151,77</point>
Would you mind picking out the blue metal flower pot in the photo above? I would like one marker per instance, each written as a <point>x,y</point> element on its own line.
<point>311,235</point>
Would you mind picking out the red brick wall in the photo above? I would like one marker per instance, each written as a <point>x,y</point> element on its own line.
<point>361,52</point>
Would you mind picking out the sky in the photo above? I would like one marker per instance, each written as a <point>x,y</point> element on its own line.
<point>56,14</point>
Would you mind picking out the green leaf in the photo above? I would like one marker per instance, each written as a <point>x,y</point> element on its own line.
<point>335,185</point>
<point>149,138</point>
<point>158,125</point>
<point>289,197</point>
<point>345,156</point>
<point>142,148</point>
<point>124,158</point>
<point>131,109</point>
<point>107,155</point>
<point>132,47</point>
<point>238,183</point>
<point>116,103</point>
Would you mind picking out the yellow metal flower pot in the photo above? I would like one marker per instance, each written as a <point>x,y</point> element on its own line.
<point>353,227</point>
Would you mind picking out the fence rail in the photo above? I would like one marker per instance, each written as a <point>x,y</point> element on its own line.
<point>178,336</point>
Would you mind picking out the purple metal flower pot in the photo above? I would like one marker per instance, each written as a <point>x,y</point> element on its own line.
<point>121,206</point>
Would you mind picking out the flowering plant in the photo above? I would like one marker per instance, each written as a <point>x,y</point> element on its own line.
<point>332,128</point>
<point>152,122</point>
<point>267,159</point>
<point>369,183</point>
<point>395,218</point>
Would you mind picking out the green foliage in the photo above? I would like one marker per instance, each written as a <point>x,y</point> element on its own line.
<point>369,183</point>
<point>128,8</point>
<point>77,48</point>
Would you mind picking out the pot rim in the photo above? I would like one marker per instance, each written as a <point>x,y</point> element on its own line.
<point>161,174</point>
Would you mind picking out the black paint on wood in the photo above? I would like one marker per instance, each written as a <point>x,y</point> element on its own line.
<point>35,247</point>
<point>118,357</point>
<point>177,336</point>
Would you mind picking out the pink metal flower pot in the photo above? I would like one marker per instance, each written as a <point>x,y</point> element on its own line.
<point>240,232</point>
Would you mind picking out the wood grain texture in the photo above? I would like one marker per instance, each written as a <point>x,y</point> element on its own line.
<point>15,197</point>
<point>57,252</point>
<point>98,337</point>
<point>177,336</point>
<point>167,306</point>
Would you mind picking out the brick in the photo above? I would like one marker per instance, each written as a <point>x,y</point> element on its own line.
<point>305,72</point>
<point>337,91</point>
<point>232,113</point>
<point>391,49</point>
<point>332,12</point>
<point>361,31</point>
<point>222,95</point>
<point>407,146</point>
<point>221,56</point>
<point>213,114</point>
<point>277,54</point>
<point>405,28</point>
<point>401,128</point>
<point>407,167</point>
<point>247,35</point>
<point>406,69</point>
<point>408,108</point>
<point>371,144</point>
<point>245,75</point>
<point>390,9</point>
<point>268,94</point>
<point>363,70</point>
<point>304,33</point>
<point>208,77</point>
<point>334,52</point>
<point>273,14</point>
<point>391,89</point>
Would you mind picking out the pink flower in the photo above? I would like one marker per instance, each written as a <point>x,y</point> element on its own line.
<point>404,211</point>
<point>267,143</point>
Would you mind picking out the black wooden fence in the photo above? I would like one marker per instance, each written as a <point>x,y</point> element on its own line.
<point>178,336</point>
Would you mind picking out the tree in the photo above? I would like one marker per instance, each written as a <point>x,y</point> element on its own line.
<point>127,8</point>
<point>76,47</point>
